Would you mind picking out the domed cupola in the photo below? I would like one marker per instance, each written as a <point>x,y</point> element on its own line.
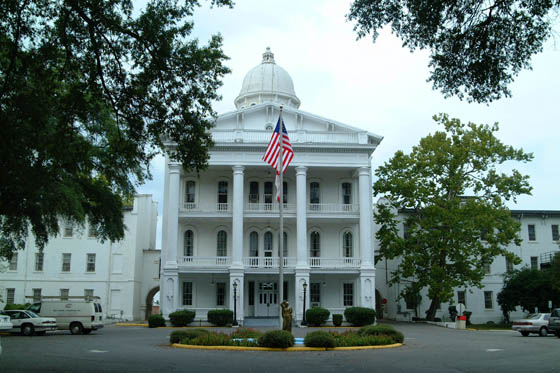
<point>267,82</point>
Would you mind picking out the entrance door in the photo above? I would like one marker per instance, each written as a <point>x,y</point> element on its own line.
<point>267,301</point>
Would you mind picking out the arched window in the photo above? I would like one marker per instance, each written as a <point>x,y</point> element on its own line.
<point>222,243</point>
<point>188,243</point>
<point>315,248</point>
<point>190,194</point>
<point>268,244</point>
<point>346,193</point>
<point>347,250</point>
<point>222,195</point>
<point>314,195</point>
<point>253,244</point>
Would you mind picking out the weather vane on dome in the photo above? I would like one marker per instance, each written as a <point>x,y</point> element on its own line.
<point>268,56</point>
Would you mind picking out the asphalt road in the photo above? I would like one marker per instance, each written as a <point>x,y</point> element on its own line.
<point>427,349</point>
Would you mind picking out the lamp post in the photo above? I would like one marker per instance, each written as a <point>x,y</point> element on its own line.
<point>303,322</point>
<point>234,304</point>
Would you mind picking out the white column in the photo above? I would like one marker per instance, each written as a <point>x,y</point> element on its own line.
<point>173,194</point>
<point>302,277</point>
<point>237,217</point>
<point>301,217</point>
<point>366,218</point>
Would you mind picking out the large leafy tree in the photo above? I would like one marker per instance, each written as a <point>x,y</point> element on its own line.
<point>442,246</point>
<point>528,289</point>
<point>89,92</point>
<point>476,47</point>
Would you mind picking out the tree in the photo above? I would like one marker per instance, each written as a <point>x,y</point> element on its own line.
<point>529,289</point>
<point>89,93</point>
<point>442,246</point>
<point>477,48</point>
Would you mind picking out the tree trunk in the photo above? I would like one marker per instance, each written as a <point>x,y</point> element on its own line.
<point>431,312</point>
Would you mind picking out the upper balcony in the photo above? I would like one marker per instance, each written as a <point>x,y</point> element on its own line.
<point>313,209</point>
<point>263,137</point>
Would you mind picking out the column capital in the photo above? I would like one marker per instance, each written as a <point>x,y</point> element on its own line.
<point>238,169</point>
<point>363,171</point>
<point>175,167</point>
<point>301,170</point>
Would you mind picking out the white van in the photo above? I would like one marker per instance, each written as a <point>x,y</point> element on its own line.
<point>77,314</point>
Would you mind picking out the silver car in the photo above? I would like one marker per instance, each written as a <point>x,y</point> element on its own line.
<point>534,323</point>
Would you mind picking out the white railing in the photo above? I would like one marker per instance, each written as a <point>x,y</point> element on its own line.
<point>267,262</point>
<point>208,207</point>
<point>295,137</point>
<point>334,263</point>
<point>269,207</point>
<point>333,208</point>
<point>206,261</point>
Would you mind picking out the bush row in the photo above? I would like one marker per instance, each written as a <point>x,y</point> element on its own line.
<point>366,336</point>
<point>357,316</point>
<point>220,317</point>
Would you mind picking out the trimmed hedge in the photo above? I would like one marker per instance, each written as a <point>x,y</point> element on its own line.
<point>316,316</point>
<point>13,306</point>
<point>381,329</point>
<point>183,336</point>
<point>156,321</point>
<point>220,317</point>
<point>319,338</point>
<point>182,317</point>
<point>277,339</point>
<point>337,319</point>
<point>245,333</point>
<point>359,316</point>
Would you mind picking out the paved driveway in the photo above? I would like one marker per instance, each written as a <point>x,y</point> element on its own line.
<point>427,349</point>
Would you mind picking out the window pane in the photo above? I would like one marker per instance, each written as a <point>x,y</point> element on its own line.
<point>348,294</point>
<point>534,262</point>
<point>251,293</point>
<point>314,193</point>
<point>91,262</point>
<point>254,244</point>
<point>268,192</point>
<point>88,293</point>
<point>285,247</point>
<point>509,266</point>
<point>462,297</point>
<point>66,262</point>
<point>187,294</point>
<point>268,242</point>
<point>315,292</point>
<point>223,192</point>
<point>315,248</point>
<point>555,236</point>
<point>64,294</point>
<point>39,261</point>
<point>222,243</point>
<point>13,262</point>
<point>10,296</point>
<point>189,192</point>
<point>346,193</point>
<point>532,235</point>
<point>36,295</point>
<point>254,192</point>
<point>285,191</point>
<point>488,300</point>
<point>220,294</point>
<point>188,244</point>
<point>347,245</point>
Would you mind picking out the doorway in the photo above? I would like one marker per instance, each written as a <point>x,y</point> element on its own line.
<point>267,299</point>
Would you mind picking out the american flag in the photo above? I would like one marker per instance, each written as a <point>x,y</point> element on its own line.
<point>271,155</point>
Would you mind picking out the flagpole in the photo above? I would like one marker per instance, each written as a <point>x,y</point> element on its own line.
<point>281,239</point>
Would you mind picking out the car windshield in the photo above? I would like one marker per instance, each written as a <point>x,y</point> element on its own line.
<point>32,314</point>
<point>534,316</point>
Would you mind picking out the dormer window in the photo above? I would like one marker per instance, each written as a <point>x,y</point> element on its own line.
<point>268,127</point>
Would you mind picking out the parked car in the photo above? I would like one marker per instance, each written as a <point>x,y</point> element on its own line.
<point>29,323</point>
<point>80,316</point>
<point>5,323</point>
<point>554,322</point>
<point>534,323</point>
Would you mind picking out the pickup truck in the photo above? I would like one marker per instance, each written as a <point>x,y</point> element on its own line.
<point>554,322</point>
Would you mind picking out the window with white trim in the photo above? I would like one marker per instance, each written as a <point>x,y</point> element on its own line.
<point>253,244</point>
<point>190,194</point>
<point>68,229</point>
<point>509,266</point>
<point>315,292</point>
<point>10,295</point>
<point>36,295</point>
<point>13,262</point>
<point>534,262</point>
<point>347,193</point>
<point>64,294</point>
<point>222,195</point>
<point>66,259</point>
<point>188,243</point>
<point>253,192</point>
<point>314,195</point>
<point>90,263</point>
<point>315,245</point>
<point>187,293</point>
<point>488,300</point>
<point>39,259</point>
<point>532,233</point>
<point>348,294</point>
<point>221,246</point>
<point>268,193</point>
<point>347,241</point>
<point>555,235</point>
<point>220,294</point>
<point>88,293</point>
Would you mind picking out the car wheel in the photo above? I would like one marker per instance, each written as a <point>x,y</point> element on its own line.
<point>87,331</point>
<point>27,329</point>
<point>76,328</point>
<point>543,332</point>
<point>525,334</point>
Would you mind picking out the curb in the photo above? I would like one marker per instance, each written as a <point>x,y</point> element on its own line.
<point>170,327</point>
<point>289,349</point>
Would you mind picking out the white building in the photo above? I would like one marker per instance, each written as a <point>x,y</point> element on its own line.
<point>125,275</point>
<point>540,240</point>
<point>221,227</point>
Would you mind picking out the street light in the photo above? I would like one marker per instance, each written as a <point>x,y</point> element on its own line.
<point>303,322</point>
<point>234,304</point>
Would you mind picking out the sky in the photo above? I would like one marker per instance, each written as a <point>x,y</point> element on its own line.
<point>379,87</point>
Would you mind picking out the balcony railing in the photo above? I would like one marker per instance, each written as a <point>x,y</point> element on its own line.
<point>208,207</point>
<point>295,137</point>
<point>334,263</point>
<point>267,262</point>
<point>269,207</point>
<point>333,208</point>
<point>206,261</point>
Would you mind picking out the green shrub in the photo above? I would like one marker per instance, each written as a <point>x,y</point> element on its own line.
<point>316,316</point>
<point>319,338</point>
<point>277,339</point>
<point>181,318</point>
<point>184,336</point>
<point>220,317</point>
<point>359,316</point>
<point>245,333</point>
<point>13,306</point>
<point>337,319</point>
<point>350,339</point>
<point>155,321</point>
<point>382,330</point>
